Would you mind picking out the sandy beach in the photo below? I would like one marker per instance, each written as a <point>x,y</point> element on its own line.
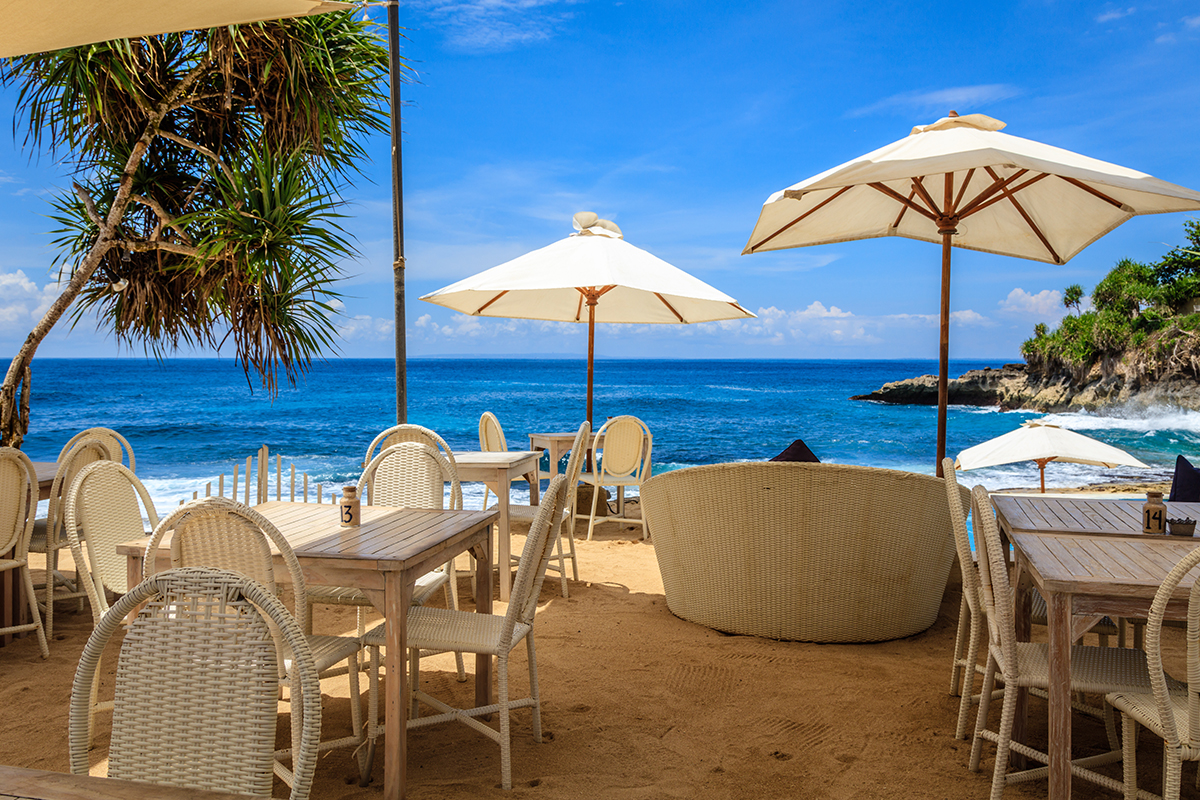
<point>640,704</point>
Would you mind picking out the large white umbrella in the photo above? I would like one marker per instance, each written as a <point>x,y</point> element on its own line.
<point>45,25</point>
<point>962,183</point>
<point>591,276</point>
<point>1042,443</point>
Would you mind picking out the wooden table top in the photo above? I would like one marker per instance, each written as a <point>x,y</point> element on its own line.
<point>1080,515</point>
<point>1115,566</point>
<point>35,784</point>
<point>388,537</point>
<point>45,472</point>
<point>493,458</point>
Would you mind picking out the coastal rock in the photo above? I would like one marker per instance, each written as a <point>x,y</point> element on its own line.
<point>1015,386</point>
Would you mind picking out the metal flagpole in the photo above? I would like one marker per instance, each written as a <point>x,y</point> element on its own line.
<point>393,24</point>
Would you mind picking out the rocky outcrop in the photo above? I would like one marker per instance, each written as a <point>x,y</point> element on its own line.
<point>1014,386</point>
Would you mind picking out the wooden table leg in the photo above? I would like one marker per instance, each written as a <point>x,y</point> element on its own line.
<point>1059,613</point>
<point>1024,607</point>
<point>397,598</point>
<point>504,545</point>
<point>483,605</point>
<point>535,487</point>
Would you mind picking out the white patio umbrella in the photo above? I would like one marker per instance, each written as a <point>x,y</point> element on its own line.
<point>1042,443</point>
<point>962,183</point>
<point>593,269</point>
<point>45,25</point>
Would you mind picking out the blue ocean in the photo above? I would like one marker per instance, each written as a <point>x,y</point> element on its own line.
<point>190,420</point>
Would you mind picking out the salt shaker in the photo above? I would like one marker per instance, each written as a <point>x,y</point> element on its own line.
<point>1154,514</point>
<point>350,507</point>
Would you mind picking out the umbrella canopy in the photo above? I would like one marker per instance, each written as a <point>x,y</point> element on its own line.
<point>592,276</point>
<point>961,183</point>
<point>1043,443</point>
<point>56,24</point>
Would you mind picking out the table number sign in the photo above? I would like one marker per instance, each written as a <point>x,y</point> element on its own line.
<point>1154,514</point>
<point>350,507</point>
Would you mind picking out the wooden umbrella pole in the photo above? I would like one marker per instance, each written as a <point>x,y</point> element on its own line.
<point>944,353</point>
<point>591,353</point>
<point>1042,462</point>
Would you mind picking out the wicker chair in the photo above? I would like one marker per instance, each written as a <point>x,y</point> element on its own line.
<point>117,444</point>
<point>491,440</point>
<point>427,584</point>
<point>48,536</point>
<point>197,686</point>
<point>440,629</point>
<point>1098,670</point>
<point>558,561</point>
<point>970,612</point>
<point>102,511</point>
<point>1171,713</point>
<point>219,533</point>
<point>624,461</point>
<point>18,490</point>
<point>802,551</point>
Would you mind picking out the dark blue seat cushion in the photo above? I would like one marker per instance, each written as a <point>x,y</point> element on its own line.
<point>798,451</point>
<point>1185,486</point>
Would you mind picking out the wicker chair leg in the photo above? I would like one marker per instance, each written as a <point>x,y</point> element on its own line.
<point>533,688</point>
<point>968,676</point>
<point>1007,714</point>
<point>505,722</point>
<point>985,700</point>
<point>1129,755</point>
<point>33,610</point>
<point>1172,773</point>
<point>562,567</point>
<point>571,542</point>
<point>592,520</point>
<point>960,648</point>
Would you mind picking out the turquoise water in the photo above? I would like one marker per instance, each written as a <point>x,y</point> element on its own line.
<point>190,420</point>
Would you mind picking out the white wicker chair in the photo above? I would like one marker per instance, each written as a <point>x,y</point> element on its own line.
<point>18,492</point>
<point>427,584</point>
<point>48,536</point>
<point>970,613</point>
<point>117,444</point>
<point>102,511</point>
<point>1171,713</point>
<point>219,533</point>
<point>197,686</point>
<point>440,629</point>
<point>558,561</point>
<point>1097,670</point>
<point>491,440</point>
<point>624,461</point>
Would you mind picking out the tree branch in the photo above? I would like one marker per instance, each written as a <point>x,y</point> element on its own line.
<point>201,149</point>
<point>89,205</point>
<point>165,220</point>
<point>150,247</point>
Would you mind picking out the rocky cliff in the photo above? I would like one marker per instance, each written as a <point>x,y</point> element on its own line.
<point>1015,386</point>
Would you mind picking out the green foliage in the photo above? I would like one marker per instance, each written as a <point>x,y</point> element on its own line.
<point>236,141</point>
<point>1137,308</point>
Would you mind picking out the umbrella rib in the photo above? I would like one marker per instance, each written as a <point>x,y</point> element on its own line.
<point>1093,191</point>
<point>1029,220</point>
<point>996,185</point>
<point>995,200</point>
<point>678,316</point>
<point>812,210</point>
<point>962,190</point>
<point>921,190</point>
<point>892,193</point>
<point>903,209</point>
<point>579,308</point>
<point>481,309</point>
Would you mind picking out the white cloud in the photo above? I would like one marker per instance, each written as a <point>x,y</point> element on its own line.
<point>1046,303</point>
<point>362,327</point>
<point>1114,14</point>
<point>491,25</point>
<point>1192,22</point>
<point>22,303</point>
<point>964,99</point>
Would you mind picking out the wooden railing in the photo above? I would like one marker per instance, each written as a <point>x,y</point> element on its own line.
<point>260,479</point>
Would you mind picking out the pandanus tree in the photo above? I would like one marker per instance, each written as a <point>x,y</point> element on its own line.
<point>205,205</point>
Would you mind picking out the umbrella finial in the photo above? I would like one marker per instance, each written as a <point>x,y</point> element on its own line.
<point>952,113</point>
<point>584,220</point>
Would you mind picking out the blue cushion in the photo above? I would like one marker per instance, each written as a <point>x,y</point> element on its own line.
<point>1185,486</point>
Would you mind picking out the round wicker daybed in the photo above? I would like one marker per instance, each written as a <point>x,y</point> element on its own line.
<point>803,552</point>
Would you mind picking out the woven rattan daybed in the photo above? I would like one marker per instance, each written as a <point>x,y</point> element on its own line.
<point>800,551</point>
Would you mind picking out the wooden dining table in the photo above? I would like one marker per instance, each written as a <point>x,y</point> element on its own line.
<point>496,470</point>
<point>1089,558</point>
<point>383,556</point>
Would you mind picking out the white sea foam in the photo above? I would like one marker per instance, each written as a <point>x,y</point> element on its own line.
<point>1149,420</point>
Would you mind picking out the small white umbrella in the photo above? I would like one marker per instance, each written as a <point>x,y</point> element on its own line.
<point>1042,443</point>
<point>594,268</point>
<point>961,183</point>
<point>46,25</point>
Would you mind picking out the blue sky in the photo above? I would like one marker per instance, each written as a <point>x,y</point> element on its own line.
<point>677,120</point>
